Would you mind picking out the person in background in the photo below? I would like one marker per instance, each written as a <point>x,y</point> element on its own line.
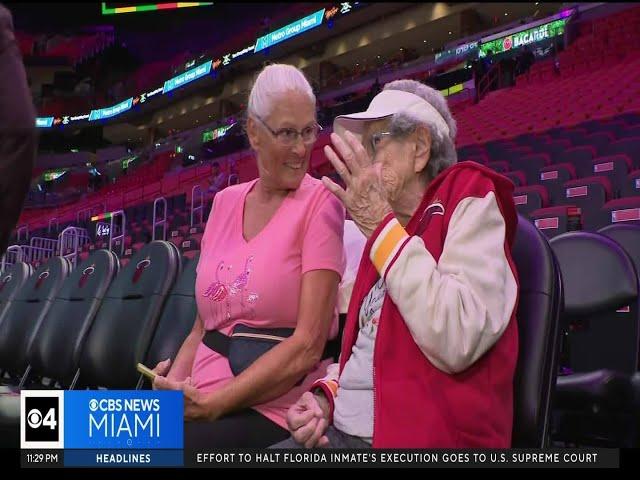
<point>18,135</point>
<point>218,179</point>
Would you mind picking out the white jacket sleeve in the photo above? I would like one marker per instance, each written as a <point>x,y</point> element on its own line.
<point>457,308</point>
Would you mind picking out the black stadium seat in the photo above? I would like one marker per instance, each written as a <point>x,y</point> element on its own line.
<point>590,194</point>
<point>56,349</point>
<point>632,184</point>
<point>29,308</point>
<point>538,318</point>
<point>553,178</point>
<point>581,158</point>
<point>190,247</point>
<point>11,284</point>
<point>601,304</point>
<point>178,316</point>
<point>621,210</point>
<point>615,168</point>
<point>554,221</point>
<point>599,278</point>
<point>517,177</point>
<point>531,165</point>
<point>528,199</point>
<point>126,321</point>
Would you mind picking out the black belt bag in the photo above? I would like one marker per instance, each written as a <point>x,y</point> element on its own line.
<point>246,345</point>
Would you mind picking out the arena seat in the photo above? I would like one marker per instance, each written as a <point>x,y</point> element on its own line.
<point>538,316</point>
<point>553,178</point>
<point>601,303</point>
<point>621,210</point>
<point>27,311</point>
<point>598,277</point>
<point>632,185</point>
<point>590,194</point>
<point>554,221</point>
<point>581,159</point>
<point>178,316</point>
<point>615,168</point>
<point>55,352</point>
<point>126,321</point>
<point>528,199</point>
<point>11,284</point>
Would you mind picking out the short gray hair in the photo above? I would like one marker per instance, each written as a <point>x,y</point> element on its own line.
<point>443,150</point>
<point>273,82</point>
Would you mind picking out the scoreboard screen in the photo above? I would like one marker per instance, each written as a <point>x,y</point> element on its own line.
<point>113,8</point>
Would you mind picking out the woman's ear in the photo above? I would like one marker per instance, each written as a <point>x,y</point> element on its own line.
<point>423,149</point>
<point>252,133</point>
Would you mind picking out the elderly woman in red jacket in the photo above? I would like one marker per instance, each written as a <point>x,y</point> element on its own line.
<point>430,344</point>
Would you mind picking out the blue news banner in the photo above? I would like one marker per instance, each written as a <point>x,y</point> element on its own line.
<point>144,428</point>
<point>102,428</point>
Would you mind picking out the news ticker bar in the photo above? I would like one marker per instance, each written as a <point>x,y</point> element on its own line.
<point>514,458</point>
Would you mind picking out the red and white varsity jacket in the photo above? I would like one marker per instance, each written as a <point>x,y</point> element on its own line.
<point>447,342</point>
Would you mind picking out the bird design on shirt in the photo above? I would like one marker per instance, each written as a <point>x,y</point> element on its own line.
<point>219,291</point>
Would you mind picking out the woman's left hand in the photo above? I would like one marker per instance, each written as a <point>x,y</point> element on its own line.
<point>197,405</point>
<point>364,198</point>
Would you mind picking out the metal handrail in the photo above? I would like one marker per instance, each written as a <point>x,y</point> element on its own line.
<point>199,208</point>
<point>163,222</point>
<point>112,238</point>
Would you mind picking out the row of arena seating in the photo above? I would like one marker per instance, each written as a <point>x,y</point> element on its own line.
<point>594,166</point>
<point>87,327</point>
<point>600,94</point>
<point>563,141</point>
<point>59,319</point>
<point>590,171</point>
<point>601,42</point>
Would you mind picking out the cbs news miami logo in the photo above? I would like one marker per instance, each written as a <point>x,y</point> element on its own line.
<point>101,419</point>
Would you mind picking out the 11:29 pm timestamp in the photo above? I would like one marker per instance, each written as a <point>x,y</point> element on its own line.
<point>41,458</point>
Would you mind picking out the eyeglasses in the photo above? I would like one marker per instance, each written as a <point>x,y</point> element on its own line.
<point>376,138</point>
<point>289,136</point>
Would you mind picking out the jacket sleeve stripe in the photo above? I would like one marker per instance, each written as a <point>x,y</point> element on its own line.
<point>386,245</point>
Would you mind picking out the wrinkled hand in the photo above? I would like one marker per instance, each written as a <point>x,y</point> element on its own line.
<point>197,405</point>
<point>308,420</point>
<point>365,198</point>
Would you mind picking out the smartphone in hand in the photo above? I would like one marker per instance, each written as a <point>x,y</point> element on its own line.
<point>147,372</point>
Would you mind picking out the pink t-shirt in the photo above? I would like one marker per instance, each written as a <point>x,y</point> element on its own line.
<point>257,283</point>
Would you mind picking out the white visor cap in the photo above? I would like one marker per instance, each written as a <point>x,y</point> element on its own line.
<point>386,104</point>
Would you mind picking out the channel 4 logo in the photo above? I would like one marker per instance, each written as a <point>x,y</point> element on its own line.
<point>41,419</point>
<point>101,419</point>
